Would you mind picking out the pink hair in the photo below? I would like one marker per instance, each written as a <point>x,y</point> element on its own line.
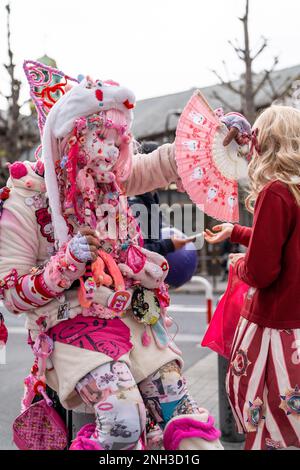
<point>123,166</point>
<point>114,120</point>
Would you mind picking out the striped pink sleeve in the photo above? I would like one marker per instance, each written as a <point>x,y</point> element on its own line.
<point>22,286</point>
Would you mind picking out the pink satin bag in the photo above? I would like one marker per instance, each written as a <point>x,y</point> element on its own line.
<point>220,333</point>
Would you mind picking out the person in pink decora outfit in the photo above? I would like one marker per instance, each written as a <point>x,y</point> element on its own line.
<point>101,297</point>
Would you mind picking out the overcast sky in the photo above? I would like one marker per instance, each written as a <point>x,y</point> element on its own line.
<point>154,47</point>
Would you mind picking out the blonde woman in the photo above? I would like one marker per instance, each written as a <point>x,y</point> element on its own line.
<point>263,380</point>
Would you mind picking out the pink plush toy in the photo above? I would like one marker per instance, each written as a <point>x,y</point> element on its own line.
<point>99,274</point>
<point>153,271</point>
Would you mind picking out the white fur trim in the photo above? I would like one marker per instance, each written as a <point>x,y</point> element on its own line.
<point>50,155</point>
<point>82,101</point>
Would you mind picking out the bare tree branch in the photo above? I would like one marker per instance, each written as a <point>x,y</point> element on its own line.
<point>15,137</point>
<point>285,88</point>
<point>265,77</point>
<point>248,88</point>
<point>244,18</point>
<point>222,100</point>
<point>261,49</point>
<point>239,51</point>
<point>228,85</point>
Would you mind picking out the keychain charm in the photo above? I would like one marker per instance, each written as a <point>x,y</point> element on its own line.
<point>145,306</point>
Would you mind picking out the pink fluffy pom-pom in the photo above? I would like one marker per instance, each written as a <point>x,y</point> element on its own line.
<point>17,170</point>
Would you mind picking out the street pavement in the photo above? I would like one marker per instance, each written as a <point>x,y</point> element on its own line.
<point>189,314</point>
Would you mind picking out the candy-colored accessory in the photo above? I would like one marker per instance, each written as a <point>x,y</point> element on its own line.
<point>42,349</point>
<point>18,170</point>
<point>135,259</point>
<point>145,306</point>
<point>290,401</point>
<point>8,282</point>
<point>86,300</point>
<point>208,170</point>
<point>40,427</point>
<point>99,274</point>
<point>146,339</point>
<point>113,269</point>
<point>238,121</point>
<point>47,85</point>
<point>86,289</point>
<point>153,272</point>
<point>119,301</point>
<point>163,296</point>
<point>11,279</point>
<point>4,193</point>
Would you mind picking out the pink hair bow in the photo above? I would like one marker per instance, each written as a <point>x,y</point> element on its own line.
<point>254,144</point>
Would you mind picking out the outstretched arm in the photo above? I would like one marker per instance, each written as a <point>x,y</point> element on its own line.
<point>158,169</point>
<point>152,171</point>
<point>241,235</point>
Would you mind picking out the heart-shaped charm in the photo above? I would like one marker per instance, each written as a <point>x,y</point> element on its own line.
<point>99,95</point>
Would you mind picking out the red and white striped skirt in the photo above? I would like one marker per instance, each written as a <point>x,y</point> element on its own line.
<point>263,385</point>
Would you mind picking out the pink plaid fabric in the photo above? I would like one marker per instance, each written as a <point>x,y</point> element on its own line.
<point>40,428</point>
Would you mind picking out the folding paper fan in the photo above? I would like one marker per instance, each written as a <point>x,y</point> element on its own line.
<point>209,171</point>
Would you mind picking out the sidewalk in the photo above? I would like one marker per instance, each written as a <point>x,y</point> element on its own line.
<point>202,380</point>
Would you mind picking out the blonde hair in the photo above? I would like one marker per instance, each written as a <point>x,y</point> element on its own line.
<point>279,152</point>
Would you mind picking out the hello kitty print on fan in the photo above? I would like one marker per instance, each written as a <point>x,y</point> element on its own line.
<point>210,171</point>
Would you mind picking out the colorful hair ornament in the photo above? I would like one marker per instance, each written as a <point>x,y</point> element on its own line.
<point>47,85</point>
